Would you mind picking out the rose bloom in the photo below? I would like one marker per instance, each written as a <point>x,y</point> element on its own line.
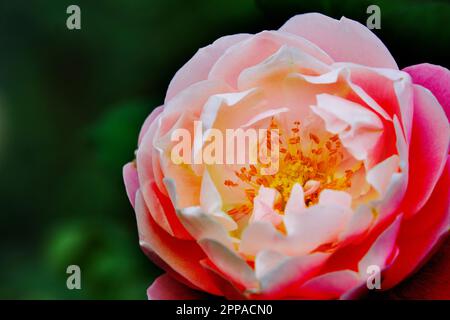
<point>363,179</point>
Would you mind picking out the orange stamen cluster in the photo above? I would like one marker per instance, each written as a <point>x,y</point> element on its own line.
<point>303,157</point>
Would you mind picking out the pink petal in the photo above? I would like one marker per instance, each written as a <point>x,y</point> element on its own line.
<point>191,100</point>
<point>182,256</point>
<point>317,225</point>
<point>344,40</point>
<point>148,165</point>
<point>230,264</point>
<point>434,78</point>
<point>198,67</point>
<point>163,212</point>
<point>282,280</point>
<point>395,190</point>
<point>152,187</point>
<point>263,207</point>
<point>286,60</point>
<point>130,178</point>
<point>211,203</point>
<point>382,250</point>
<point>166,288</point>
<point>431,281</point>
<point>358,224</point>
<point>204,226</point>
<point>180,112</point>
<point>148,122</point>
<point>422,232</point>
<point>359,128</point>
<point>380,175</point>
<point>187,182</point>
<point>296,201</point>
<point>429,148</point>
<point>390,89</point>
<point>392,187</point>
<point>260,236</point>
<point>330,285</point>
<point>333,197</point>
<point>256,49</point>
<point>267,261</point>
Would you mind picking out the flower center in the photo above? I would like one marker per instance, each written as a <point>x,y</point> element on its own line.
<point>305,159</point>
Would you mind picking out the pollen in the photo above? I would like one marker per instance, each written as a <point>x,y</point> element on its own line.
<point>307,158</point>
<point>230,183</point>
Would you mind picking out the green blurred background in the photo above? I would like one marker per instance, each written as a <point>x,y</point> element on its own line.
<point>71,105</point>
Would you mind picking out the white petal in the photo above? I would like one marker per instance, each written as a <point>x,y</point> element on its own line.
<point>296,201</point>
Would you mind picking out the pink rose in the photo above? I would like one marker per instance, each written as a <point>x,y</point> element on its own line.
<point>363,178</point>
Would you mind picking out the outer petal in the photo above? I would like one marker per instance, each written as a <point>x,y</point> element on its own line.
<point>344,40</point>
<point>330,285</point>
<point>166,288</point>
<point>146,125</point>
<point>255,50</point>
<point>431,282</point>
<point>284,279</point>
<point>130,178</point>
<point>429,148</point>
<point>233,266</point>
<point>377,248</point>
<point>198,67</point>
<point>420,233</point>
<point>182,256</point>
<point>383,250</point>
<point>179,112</point>
<point>434,78</point>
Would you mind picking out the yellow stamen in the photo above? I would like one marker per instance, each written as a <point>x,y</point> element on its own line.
<point>313,168</point>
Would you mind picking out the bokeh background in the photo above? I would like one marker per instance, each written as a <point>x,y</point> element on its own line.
<point>71,105</point>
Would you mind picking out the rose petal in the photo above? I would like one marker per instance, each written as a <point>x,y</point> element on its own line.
<point>434,78</point>
<point>359,129</point>
<point>199,224</point>
<point>420,233</point>
<point>182,256</point>
<point>211,203</point>
<point>263,207</point>
<point>149,121</point>
<point>229,263</point>
<point>380,175</point>
<point>429,148</point>
<point>289,274</point>
<point>387,88</point>
<point>130,178</point>
<point>381,252</point>
<point>296,201</point>
<point>266,261</point>
<point>329,197</point>
<point>330,285</point>
<point>286,59</point>
<point>198,67</point>
<point>317,225</point>
<point>166,288</point>
<point>344,40</point>
<point>255,50</point>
